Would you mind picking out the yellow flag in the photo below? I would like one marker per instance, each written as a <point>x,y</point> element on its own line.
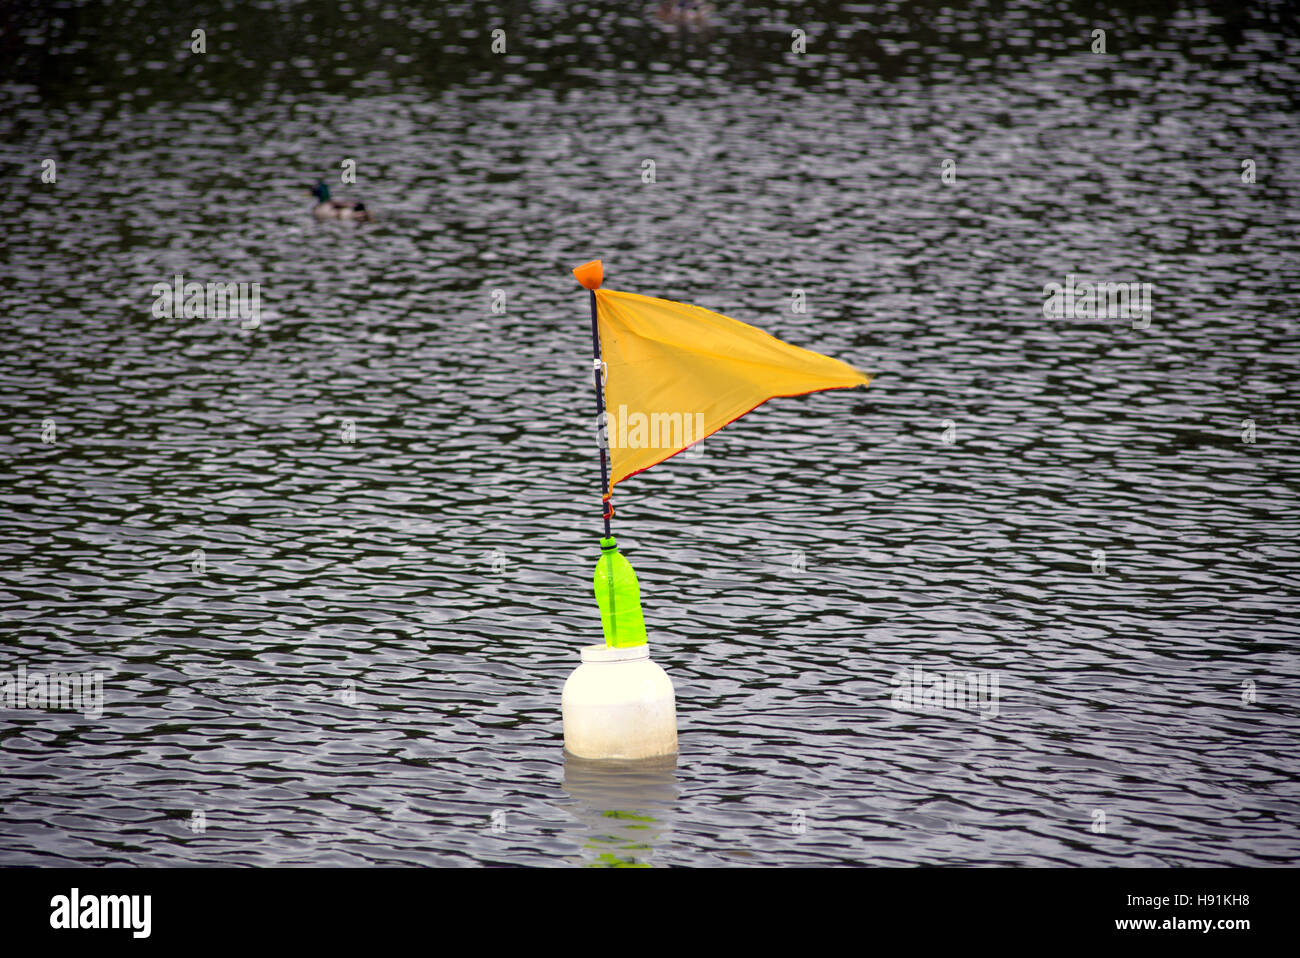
<point>676,374</point>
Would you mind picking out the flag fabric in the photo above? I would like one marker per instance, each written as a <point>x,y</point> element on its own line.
<point>675,374</point>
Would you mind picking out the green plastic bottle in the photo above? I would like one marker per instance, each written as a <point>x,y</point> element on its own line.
<point>619,598</point>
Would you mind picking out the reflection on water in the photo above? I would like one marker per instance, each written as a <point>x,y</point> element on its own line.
<point>625,808</point>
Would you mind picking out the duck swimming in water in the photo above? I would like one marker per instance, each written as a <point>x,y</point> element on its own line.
<point>328,209</point>
<point>688,14</point>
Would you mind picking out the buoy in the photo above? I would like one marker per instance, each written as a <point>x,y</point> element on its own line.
<point>670,363</point>
<point>618,704</point>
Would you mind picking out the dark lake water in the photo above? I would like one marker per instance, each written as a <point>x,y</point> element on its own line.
<point>334,569</point>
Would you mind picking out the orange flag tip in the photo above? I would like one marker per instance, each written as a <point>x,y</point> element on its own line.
<point>590,275</point>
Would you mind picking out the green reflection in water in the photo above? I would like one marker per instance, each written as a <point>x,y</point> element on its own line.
<point>626,808</point>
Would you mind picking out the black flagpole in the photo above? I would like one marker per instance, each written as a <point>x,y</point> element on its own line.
<point>601,425</point>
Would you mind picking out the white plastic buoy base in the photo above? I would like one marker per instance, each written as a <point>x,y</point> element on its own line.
<point>619,704</point>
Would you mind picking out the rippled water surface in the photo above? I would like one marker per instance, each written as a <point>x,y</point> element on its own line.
<point>364,663</point>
